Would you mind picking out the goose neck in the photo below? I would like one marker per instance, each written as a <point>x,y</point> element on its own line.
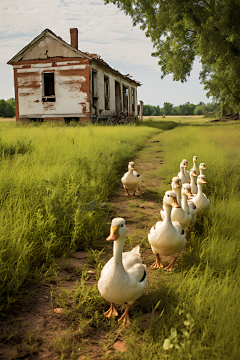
<point>192,180</point>
<point>185,206</point>
<point>184,200</point>
<point>200,188</point>
<point>118,250</point>
<point>168,209</point>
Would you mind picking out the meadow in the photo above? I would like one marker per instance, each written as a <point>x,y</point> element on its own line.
<point>55,186</point>
<point>52,180</point>
<point>196,306</point>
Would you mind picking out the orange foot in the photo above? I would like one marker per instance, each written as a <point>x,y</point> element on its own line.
<point>112,311</point>
<point>171,265</point>
<point>125,317</point>
<point>157,263</point>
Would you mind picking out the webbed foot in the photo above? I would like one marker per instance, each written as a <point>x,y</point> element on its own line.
<point>125,317</point>
<point>112,311</point>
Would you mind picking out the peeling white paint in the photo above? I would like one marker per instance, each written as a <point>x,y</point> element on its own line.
<point>43,65</point>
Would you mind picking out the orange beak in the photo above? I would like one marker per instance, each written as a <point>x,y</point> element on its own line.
<point>176,184</point>
<point>189,193</point>
<point>114,235</point>
<point>174,203</point>
<point>204,182</point>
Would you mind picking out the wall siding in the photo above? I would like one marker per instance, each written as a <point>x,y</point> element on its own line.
<point>71,89</point>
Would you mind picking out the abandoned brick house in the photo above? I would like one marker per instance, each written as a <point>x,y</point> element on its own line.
<point>55,81</point>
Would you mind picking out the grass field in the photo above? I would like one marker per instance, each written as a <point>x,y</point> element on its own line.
<point>188,120</point>
<point>50,176</point>
<point>197,304</point>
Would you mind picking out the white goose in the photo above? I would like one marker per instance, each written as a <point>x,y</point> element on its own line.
<point>131,180</point>
<point>124,277</point>
<point>201,168</point>
<point>189,207</point>
<point>176,187</point>
<point>195,165</point>
<point>193,184</point>
<point>200,200</point>
<point>167,237</point>
<point>181,174</point>
<point>179,214</point>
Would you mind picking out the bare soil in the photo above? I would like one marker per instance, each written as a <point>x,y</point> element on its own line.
<point>29,333</point>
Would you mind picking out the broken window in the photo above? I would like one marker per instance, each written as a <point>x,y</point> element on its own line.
<point>106,92</point>
<point>48,87</point>
<point>133,100</point>
<point>125,99</point>
<point>94,84</point>
<point>94,93</point>
<point>117,97</point>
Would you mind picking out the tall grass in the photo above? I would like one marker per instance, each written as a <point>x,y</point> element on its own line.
<point>54,181</point>
<point>209,290</point>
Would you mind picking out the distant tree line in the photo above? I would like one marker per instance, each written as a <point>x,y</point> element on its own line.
<point>7,108</point>
<point>186,109</point>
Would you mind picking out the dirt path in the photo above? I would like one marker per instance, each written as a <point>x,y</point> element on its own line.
<point>33,334</point>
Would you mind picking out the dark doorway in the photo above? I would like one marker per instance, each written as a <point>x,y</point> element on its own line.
<point>117,96</point>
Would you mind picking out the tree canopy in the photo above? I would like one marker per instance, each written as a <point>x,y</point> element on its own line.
<point>7,108</point>
<point>185,109</point>
<point>182,30</point>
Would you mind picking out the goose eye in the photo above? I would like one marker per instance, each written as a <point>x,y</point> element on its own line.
<point>168,195</point>
<point>122,225</point>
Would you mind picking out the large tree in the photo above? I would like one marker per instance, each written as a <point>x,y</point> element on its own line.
<point>182,30</point>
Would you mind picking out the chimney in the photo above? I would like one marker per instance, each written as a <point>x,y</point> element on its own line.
<point>74,37</point>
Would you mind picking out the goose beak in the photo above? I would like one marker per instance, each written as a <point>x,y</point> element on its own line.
<point>174,203</point>
<point>114,233</point>
<point>131,167</point>
<point>204,167</point>
<point>189,193</point>
<point>176,185</point>
<point>204,181</point>
<point>194,173</point>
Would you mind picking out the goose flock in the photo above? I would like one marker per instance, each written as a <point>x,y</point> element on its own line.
<point>124,277</point>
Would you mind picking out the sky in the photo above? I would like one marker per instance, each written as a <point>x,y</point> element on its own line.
<point>102,29</point>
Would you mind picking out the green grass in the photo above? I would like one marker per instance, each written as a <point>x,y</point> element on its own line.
<point>54,182</point>
<point>198,304</point>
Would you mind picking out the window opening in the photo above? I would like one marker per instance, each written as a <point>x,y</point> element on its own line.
<point>125,99</point>
<point>49,90</point>
<point>133,100</point>
<point>94,93</point>
<point>94,84</point>
<point>117,96</point>
<point>106,92</point>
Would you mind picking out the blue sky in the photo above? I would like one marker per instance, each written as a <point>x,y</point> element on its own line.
<point>103,29</point>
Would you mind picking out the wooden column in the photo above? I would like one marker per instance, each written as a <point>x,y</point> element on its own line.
<point>16,94</point>
<point>141,110</point>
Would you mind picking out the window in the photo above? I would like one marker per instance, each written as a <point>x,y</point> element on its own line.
<point>106,92</point>
<point>48,87</point>
<point>133,100</point>
<point>125,99</point>
<point>117,97</point>
<point>94,84</point>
